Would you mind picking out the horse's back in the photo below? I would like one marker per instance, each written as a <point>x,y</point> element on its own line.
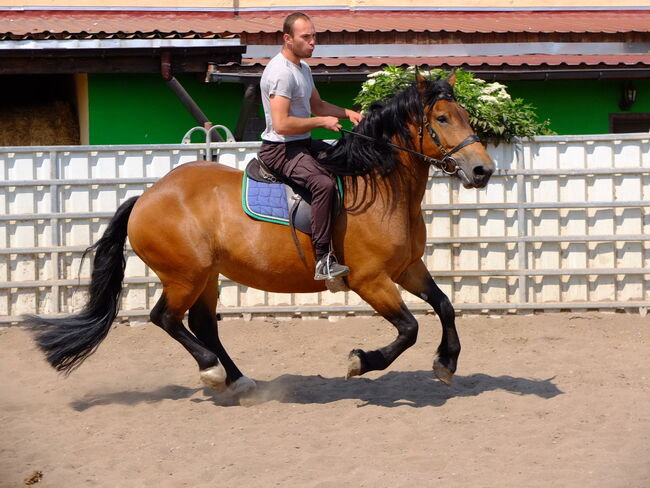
<point>198,175</point>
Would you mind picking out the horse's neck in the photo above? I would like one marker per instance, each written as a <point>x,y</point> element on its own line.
<point>399,193</point>
<point>411,176</point>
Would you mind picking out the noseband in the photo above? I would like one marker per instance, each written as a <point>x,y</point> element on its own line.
<point>447,164</point>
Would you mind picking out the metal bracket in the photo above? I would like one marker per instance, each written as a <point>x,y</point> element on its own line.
<point>208,145</point>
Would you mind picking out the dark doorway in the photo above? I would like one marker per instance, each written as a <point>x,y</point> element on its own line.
<point>38,110</point>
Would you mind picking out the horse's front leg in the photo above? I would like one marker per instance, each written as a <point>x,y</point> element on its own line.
<point>417,280</point>
<point>382,295</point>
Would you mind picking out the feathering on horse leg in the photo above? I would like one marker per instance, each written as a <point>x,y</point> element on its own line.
<point>418,281</point>
<point>383,296</point>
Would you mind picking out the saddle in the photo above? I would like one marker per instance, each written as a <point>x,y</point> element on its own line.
<point>267,197</point>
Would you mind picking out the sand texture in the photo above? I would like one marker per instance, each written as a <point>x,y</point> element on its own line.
<point>551,400</point>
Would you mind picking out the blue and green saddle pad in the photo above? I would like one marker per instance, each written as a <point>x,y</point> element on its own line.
<point>272,202</point>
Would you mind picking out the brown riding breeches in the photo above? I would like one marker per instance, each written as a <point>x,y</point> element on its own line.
<point>297,161</point>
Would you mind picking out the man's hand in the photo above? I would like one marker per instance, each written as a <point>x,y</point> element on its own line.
<point>330,123</point>
<point>355,117</point>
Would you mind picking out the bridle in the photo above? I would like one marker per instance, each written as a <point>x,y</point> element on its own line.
<point>447,164</point>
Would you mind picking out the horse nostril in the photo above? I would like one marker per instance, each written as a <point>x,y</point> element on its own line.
<point>482,172</point>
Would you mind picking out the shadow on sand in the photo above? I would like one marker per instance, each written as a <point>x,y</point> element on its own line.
<point>396,388</point>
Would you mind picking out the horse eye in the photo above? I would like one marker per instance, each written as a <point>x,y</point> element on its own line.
<point>442,119</point>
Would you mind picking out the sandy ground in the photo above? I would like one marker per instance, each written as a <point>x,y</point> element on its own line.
<point>559,400</point>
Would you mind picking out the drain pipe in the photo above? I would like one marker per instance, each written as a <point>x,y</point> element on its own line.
<point>184,97</point>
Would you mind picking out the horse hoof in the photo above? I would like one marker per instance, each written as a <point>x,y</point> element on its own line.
<point>443,373</point>
<point>245,389</point>
<point>244,385</point>
<point>354,365</point>
<point>214,378</point>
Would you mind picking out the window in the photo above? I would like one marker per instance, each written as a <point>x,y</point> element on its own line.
<point>619,123</point>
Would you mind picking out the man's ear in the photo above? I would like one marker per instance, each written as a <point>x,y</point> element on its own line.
<point>420,80</point>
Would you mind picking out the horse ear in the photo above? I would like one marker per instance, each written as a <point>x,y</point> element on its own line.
<point>452,78</point>
<point>421,80</point>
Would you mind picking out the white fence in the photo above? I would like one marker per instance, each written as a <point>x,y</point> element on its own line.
<point>563,224</point>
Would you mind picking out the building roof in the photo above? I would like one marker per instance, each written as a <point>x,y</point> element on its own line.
<point>478,40</point>
<point>531,67</point>
<point>531,60</point>
<point>40,24</point>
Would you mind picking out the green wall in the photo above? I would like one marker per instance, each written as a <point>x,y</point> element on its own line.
<point>341,94</point>
<point>573,107</point>
<point>141,109</point>
<point>579,107</point>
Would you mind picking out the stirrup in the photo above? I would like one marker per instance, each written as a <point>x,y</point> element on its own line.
<point>328,268</point>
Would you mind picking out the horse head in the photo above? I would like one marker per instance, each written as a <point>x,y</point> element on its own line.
<point>446,137</point>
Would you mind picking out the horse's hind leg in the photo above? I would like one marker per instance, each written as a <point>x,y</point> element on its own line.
<point>204,324</point>
<point>169,318</point>
<point>383,296</point>
<point>417,280</point>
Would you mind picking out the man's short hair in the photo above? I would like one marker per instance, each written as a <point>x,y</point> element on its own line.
<point>287,27</point>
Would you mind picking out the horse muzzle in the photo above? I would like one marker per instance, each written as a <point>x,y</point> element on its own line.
<point>475,177</point>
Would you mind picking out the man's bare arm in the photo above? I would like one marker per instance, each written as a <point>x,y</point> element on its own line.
<point>323,108</point>
<point>286,124</point>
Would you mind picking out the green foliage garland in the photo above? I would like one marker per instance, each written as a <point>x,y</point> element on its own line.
<point>494,115</point>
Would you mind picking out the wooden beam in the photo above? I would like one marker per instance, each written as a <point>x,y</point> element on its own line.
<point>59,61</point>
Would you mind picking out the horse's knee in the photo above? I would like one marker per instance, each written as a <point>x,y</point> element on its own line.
<point>445,309</point>
<point>408,330</point>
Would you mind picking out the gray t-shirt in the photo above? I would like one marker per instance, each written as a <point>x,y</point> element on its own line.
<point>282,77</point>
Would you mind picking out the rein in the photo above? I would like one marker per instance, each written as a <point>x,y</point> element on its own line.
<point>447,164</point>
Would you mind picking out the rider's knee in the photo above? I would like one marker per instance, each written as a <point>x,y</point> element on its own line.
<point>323,182</point>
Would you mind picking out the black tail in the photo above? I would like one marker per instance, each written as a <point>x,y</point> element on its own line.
<point>67,341</point>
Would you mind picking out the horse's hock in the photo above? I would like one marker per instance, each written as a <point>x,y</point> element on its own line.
<point>563,224</point>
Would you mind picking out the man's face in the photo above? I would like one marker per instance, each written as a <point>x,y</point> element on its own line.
<point>303,40</point>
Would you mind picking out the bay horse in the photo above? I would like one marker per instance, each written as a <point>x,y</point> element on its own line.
<point>189,228</point>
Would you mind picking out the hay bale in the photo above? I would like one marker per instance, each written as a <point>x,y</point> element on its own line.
<point>48,123</point>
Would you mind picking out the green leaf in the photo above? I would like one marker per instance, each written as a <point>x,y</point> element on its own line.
<point>493,114</point>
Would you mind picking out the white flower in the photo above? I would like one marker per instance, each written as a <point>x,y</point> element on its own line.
<point>496,89</point>
<point>492,87</point>
<point>370,82</point>
<point>488,99</point>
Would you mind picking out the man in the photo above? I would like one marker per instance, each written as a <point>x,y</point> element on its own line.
<point>290,97</point>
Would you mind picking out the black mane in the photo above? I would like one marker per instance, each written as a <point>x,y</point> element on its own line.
<point>356,156</point>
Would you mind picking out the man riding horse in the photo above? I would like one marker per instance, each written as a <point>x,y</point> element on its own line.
<point>290,97</point>
<point>190,228</point>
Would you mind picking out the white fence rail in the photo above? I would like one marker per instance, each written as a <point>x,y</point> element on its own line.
<point>563,224</point>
